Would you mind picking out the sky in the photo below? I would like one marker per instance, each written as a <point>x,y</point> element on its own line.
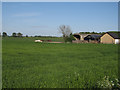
<point>44,18</point>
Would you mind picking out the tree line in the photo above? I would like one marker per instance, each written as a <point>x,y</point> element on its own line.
<point>64,29</point>
<point>4,34</point>
<point>91,32</point>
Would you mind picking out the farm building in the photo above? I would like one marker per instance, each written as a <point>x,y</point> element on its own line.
<point>78,36</point>
<point>110,38</point>
<point>85,38</point>
<point>95,37</point>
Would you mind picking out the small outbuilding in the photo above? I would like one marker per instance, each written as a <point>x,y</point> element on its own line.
<point>110,38</point>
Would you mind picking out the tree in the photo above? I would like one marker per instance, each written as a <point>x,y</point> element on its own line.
<point>14,34</point>
<point>26,35</point>
<point>4,34</point>
<point>66,31</point>
<point>19,34</point>
<point>93,32</point>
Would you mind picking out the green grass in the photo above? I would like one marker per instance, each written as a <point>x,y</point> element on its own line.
<point>48,65</point>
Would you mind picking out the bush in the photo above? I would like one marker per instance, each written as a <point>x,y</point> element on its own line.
<point>69,39</point>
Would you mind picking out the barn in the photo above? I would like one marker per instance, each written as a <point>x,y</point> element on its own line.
<point>78,36</point>
<point>110,38</point>
<point>94,37</point>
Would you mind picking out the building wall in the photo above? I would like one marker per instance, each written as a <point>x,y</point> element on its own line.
<point>83,36</point>
<point>106,38</point>
<point>117,41</point>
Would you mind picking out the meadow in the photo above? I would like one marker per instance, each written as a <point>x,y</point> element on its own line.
<point>26,64</point>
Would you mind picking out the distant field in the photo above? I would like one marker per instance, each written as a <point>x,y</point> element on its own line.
<point>27,64</point>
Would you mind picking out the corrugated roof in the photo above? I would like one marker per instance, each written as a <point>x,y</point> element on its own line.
<point>115,35</point>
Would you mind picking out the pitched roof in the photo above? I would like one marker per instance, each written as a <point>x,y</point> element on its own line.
<point>96,36</point>
<point>115,35</point>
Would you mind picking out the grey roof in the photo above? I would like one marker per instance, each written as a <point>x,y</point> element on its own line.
<point>95,35</point>
<point>115,35</point>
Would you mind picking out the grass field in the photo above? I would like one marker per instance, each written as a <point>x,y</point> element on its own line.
<point>27,64</point>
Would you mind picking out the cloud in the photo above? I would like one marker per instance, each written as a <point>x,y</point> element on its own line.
<point>28,14</point>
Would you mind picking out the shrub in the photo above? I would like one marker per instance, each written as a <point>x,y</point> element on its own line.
<point>69,39</point>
